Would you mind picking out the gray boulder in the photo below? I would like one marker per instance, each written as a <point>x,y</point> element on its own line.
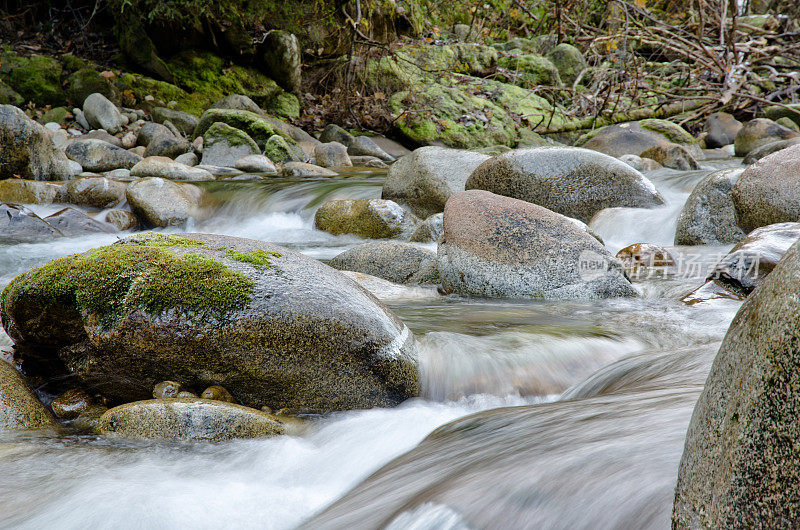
<point>367,218</point>
<point>301,169</point>
<point>166,168</point>
<point>633,138</point>
<point>281,54</point>
<point>760,132</point>
<point>722,129</point>
<point>708,217</point>
<point>768,191</point>
<point>279,151</point>
<point>272,326</point>
<point>19,406</point>
<point>102,114</point>
<point>391,260</point>
<point>334,133</point>
<point>99,192</point>
<point>187,419</point>
<point>366,146</point>
<point>223,145</point>
<point>74,223</point>
<point>150,131</point>
<point>26,150</point>
<point>331,154</point>
<point>256,164</point>
<point>184,121</point>
<point>20,225</point>
<point>163,203</point>
<point>237,102</point>
<point>500,247</point>
<point>571,181</point>
<point>167,145</point>
<point>426,178</point>
<point>740,466</point>
<point>30,191</point>
<point>98,156</point>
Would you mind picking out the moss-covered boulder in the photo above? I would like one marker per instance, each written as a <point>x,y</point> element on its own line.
<point>279,151</point>
<point>26,150</point>
<point>36,78</point>
<point>19,406</point>
<point>9,96</point>
<point>529,70</point>
<point>163,203</point>
<point>568,60</point>
<point>30,191</point>
<point>369,218</point>
<point>272,326</point>
<point>256,126</point>
<point>136,44</point>
<point>223,145</point>
<point>282,57</point>
<point>633,138</point>
<point>187,419</point>
<point>86,81</point>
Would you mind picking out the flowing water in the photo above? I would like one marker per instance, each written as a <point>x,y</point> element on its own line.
<point>588,404</point>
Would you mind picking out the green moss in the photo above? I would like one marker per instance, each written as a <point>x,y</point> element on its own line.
<point>284,105</point>
<point>254,125</point>
<point>529,70</point>
<point>36,78</point>
<point>261,259</point>
<point>58,115</point>
<point>234,137</point>
<point>277,150</point>
<point>671,131</point>
<point>86,81</point>
<point>142,274</point>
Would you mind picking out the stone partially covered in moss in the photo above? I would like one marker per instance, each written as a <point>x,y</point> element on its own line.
<point>36,78</point>
<point>284,104</point>
<point>58,115</point>
<point>26,149</point>
<point>86,81</point>
<point>187,419</point>
<point>19,407</point>
<point>530,70</point>
<point>136,44</point>
<point>9,96</point>
<point>20,191</point>
<point>281,54</point>
<point>278,150</point>
<point>258,128</point>
<point>369,218</point>
<point>223,145</point>
<point>286,331</point>
<point>568,60</point>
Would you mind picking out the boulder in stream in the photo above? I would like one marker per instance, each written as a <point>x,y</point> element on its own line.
<point>708,216</point>
<point>274,327</point>
<point>759,132</point>
<point>19,406</point>
<point>26,150</point>
<point>368,218</point>
<point>391,260</point>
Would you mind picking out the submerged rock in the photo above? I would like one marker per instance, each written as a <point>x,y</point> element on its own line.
<point>187,419</point>
<point>272,326</point>
<point>163,203</point>
<point>768,191</point>
<point>391,260</point>
<point>74,223</point>
<point>500,247</point>
<point>708,217</point>
<point>740,462</point>
<point>71,404</point>
<point>26,150</point>
<point>368,218</point>
<point>426,178</point>
<point>567,180</point>
<point>19,406</point>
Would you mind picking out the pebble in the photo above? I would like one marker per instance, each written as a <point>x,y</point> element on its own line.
<point>129,140</point>
<point>52,126</point>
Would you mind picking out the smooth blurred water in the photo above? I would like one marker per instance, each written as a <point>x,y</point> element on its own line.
<point>596,397</point>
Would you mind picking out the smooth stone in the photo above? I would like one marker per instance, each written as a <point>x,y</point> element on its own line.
<point>60,139</point>
<point>220,171</point>
<point>123,175</point>
<point>391,260</point>
<point>673,156</point>
<point>30,191</point>
<point>122,220</point>
<point>102,135</point>
<point>81,119</point>
<point>571,181</point>
<point>301,169</point>
<point>368,218</point>
<point>98,156</point>
<point>184,121</point>
<point>189,159</point>
<point>768,191</point>
<point>187,419</point>
<point>640,256</point>
<point>217,393</point>
<point>332,154</point>
<point>99,192</point>
<point>223,145</point>
<point>71,404</point>
<point>74,223</point>
<point>166,389</point>
<point>256,164</point>
<point>708,216</point>
<point>20,225</point>
<point>499,247</point>
<point>722,129</point>
<point>759,132</point>
<point>426,178</point>
<point>129,140</point>
<point>633,138</point>
<point>27,150</point>
<point>101,113</point>
<point>167,145</point>
<point>149,132</point>
<point>19,407</point>
<point>166,168</point>
<point>365,146</point>
<point>757,154</point>
<point>163,203</point>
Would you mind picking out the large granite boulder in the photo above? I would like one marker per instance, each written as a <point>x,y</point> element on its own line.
<point>633,138</point>
<point>223,145</point>
<point>272,326</point>
<point>426,178</point>
<point>500,247</point>
<point>391,260</point>
<point>164,203</point>
<point>708,216</point>
<point>26,150</point>
<point>99,156</point>
<point>741,465</point>
<point>571,181</point>
<point>768,191</point>
<point>20,225</point>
